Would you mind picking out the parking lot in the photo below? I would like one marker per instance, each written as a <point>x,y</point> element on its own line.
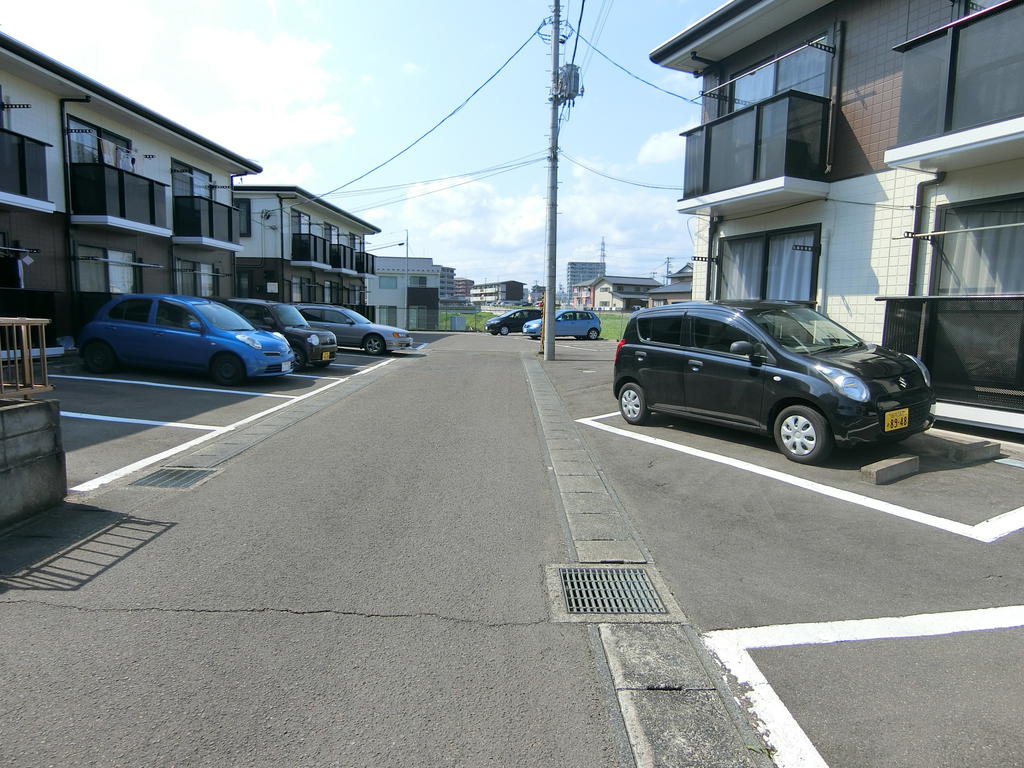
<point>860,624</point>
<point>120,423</point>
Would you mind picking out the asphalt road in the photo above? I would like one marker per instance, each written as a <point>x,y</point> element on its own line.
<point>361,582</point>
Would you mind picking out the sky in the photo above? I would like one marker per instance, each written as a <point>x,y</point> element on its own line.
<point>321,92</point>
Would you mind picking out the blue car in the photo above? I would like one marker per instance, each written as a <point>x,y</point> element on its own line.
<point>569,322</point>
<point>184,333</point>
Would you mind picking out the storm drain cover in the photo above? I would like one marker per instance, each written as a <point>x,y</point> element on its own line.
<point>169,477</point>
<point>609,590</point>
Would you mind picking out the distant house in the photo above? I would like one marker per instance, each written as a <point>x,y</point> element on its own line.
<point>679,288</point>
<point>616,292</point>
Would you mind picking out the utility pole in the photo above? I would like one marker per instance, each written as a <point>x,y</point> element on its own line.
<point>565,87</point>
<point>548,323</point>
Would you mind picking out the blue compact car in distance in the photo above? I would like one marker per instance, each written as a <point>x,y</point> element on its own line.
<point>580,323</point>
<point>182,333</point>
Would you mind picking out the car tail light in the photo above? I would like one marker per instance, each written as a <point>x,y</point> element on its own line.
<point>617,348</point>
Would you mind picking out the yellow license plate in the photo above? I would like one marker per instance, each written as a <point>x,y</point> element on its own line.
<point>898,419</point>
<point>325,355</point>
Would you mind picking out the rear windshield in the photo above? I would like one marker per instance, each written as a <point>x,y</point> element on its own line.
<point>804,330</point>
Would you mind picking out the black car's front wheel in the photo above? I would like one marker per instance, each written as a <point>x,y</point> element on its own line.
<point>301,359</point>
<point>803,435</point>
<point>633,404</point>
<point>503,330</point>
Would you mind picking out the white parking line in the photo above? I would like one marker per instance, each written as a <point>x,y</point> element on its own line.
<point>217,432</point>
<point>146,422</point>
<point>987,531</point>
<point>246,393</point>
<point>781,730</point>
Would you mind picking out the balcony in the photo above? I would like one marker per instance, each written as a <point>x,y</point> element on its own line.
<point>202,222</point>
<point>960,106</point>
<point>310,251</point>
<point>365,263</point>
<point>23,173</point>
<point>108,197</point>
<point>343,259</point>
<point>764,156</point>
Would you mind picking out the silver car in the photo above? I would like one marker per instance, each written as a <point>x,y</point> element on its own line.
<point>354,330</point>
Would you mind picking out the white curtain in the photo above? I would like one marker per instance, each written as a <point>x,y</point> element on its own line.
<point>790,267</point>
<point>986,261</point>
<point>741,267</point>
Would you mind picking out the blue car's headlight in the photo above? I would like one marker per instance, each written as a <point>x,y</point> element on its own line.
<point>845,383</point>
<point>252,341</point>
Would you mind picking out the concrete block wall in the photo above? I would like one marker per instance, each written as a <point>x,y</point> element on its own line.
<point>33,476</point>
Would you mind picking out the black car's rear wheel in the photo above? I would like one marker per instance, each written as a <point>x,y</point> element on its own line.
<point>227,370</point>
<point>803,435</point>
<point>633,404</point>
<point>99,357</point>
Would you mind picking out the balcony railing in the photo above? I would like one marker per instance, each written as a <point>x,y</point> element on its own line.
<point>203,217</point>
<point>342,256</point>
<point>310,248</point>
<point>22,165</point>
<point>973,345</point>
<point>23,356</point>
<point>781,136</point>
<point>963,75</point>
<point>366,263</point>
<point>98,189</point>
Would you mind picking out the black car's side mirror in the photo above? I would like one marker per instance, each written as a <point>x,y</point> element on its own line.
<point>743,348</point>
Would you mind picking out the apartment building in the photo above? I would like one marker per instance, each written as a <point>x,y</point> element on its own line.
<point>867,156</point>
<point>100,195</point>
<point>495,293</point>
<point>298,247</point>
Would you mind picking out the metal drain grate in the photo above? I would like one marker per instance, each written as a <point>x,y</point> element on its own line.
<point>609,590</point>
<point>174,478</point>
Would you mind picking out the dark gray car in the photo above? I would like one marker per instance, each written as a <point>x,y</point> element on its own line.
<point>354,330</point>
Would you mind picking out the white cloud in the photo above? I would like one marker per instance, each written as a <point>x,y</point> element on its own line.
<point>411,68</point>
<point>664,147</point>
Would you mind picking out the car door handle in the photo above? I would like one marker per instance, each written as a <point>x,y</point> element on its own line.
<point>641,356</point>
<point>695,364</point>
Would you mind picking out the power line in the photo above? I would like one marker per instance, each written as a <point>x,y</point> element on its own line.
<point>632,74</point>
<point>431,130</point>
<point>616,178</point>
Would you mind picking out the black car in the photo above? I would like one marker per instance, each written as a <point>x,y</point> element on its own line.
<point>311,346</point>
<point>511,321</point>
<point>772,367</point>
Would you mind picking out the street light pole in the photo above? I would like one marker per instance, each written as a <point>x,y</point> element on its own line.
<point>407,325</point>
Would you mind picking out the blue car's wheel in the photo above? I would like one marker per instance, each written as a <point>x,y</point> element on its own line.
<point>99,357</point>
<point>593,334</point>
<point>227,370</point>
